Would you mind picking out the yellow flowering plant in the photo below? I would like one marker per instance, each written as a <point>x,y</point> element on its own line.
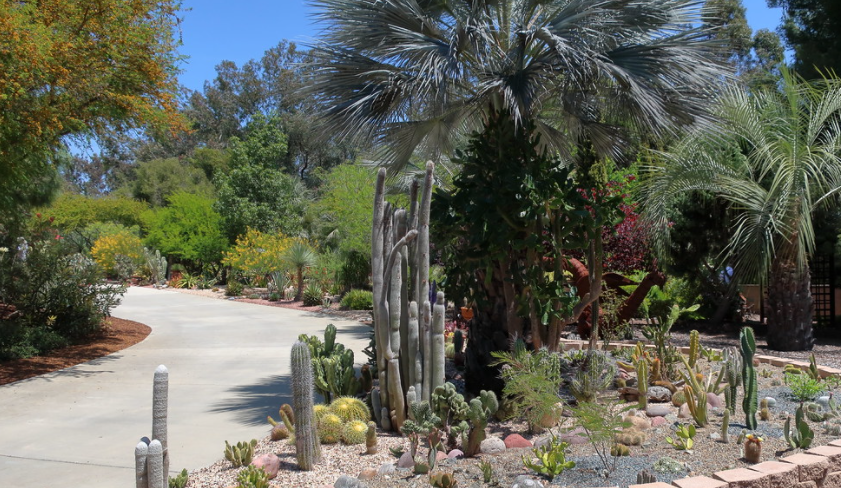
<point>258,254</point>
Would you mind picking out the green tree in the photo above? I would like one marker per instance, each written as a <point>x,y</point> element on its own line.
<point>300,256</point>
<point>812,28</point>
<point>78,68</point>
<point>775,161</point>
<point>187,229</point>
<point>562,74</point>
<point>343,211</point>
<point>157,179</point>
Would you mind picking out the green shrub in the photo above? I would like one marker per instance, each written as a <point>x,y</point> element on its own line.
<point>312,295</point>
<point>803,387</point>
<point>355,270</point>
<point>358,300</point>
<point>235,288</point>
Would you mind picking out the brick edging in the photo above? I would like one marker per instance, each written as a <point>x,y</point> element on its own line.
<point>818,467</point>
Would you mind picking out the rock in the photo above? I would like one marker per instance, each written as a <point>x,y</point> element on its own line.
<point>658,410</point>
<point>683,412</point>
<point>714,400</point>
<point>492,445</point>
<point>629,394</point>
<point>406,461</point>
<point>367,474</point>
<point>269,462</point>
<point>524,481</point>
<point>772,402</point>
<point>575,436</point>
<point>440,456</point>
<point>345,481</point>
<point>823,401</point>
<point>455,454</point>
<point>659,394</point>
<point>638,422</point>
<point>658,421</point>
<point>715,436</point>
<point>515,441</point>
<point>386,469</point>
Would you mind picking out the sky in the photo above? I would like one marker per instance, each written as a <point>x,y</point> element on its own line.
<point>217,30</point>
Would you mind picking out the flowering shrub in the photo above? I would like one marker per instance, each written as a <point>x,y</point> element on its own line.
<point>119,253</point>
<point>58,294</point>
<point>258,254</point>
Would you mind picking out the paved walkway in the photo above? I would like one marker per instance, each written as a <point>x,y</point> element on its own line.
<point>228,368</point>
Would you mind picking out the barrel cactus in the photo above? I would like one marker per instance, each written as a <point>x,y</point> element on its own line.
<point>355,432</point>
<point>350,408</point>
<point>330,429</point>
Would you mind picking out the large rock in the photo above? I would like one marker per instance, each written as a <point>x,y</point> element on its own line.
<point>515,441</point>
<point>269,462</point>
<point>492,445</point>
<point>714,400</point>
<point>455,454</point>
<point>406,461</point>
<point>683,412</point>
<point>345,481</point>
<point>658,410</point>
<point>659,394</point>
<point>575,436</point>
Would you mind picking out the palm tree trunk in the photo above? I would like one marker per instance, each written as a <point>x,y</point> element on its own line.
<point>789,308</point>
<point>300,293</point>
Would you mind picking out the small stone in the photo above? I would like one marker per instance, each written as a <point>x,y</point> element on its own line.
<point>440,456</point>
<point>405,461</point>
<point>823,401</point>
<point>492,445</point>
<point>515,441</point>
<point>683,412</point>
<point>658,421</point>
<point>345,481</point>
<point>658,410</point>
<point>714,400</point>
<point>659,394</point>
<point>270,464</point>
<point>772,402</point>
<point>575,436</point>
<point>367,474</point>
<point>386,469</point>
<point>455,454</point>
<point>524,481</point>
<point>715,436</point>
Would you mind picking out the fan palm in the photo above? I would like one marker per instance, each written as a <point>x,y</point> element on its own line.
<point>300,256</point>
<point>417,76</point>
<point>775,161</point>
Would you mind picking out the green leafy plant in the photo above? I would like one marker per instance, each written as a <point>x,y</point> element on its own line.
<point>487,470</point>
<point>179,481</point>
<point>803,387</point>
<point>312,295</point>
<point>600,422</point>
<point>252,477</point>
<point>358,300</point>
<point>551,459</point>
<point>684,437</point>
<point>234,289</point>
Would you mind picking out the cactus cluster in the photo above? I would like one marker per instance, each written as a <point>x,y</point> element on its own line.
<point>252,477</point>
<point>748,349</point>
<point>332,365</point>
<point>408,316</point>
<point>240,454</point>
<point>802,435</point>
<point>151,457</point>
<point>630,437</point>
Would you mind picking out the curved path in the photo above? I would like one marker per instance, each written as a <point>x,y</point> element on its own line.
<point>228,368</point>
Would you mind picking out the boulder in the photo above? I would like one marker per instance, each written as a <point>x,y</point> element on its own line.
<point>406,461</point>
<point>659,394</point>
<point>386,469</point>
<point>492,445</point>
<point>368,474</point>
<point>455,454</point>
<point>658,410</point>
<point>514,441</point>
<point>524,481</point>
<point>269,462</point>
<point>714,400</point>
<point>345,481</point>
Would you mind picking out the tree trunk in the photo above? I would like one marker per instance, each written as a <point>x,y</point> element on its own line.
<point>789,308</point>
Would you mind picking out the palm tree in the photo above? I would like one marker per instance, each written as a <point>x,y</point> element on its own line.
<point>775,160</point>
<point>300,256</point>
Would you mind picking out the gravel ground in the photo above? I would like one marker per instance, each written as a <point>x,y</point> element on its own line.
<point>707,456</point>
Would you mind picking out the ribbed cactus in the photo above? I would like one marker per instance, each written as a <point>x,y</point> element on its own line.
<point>141,453</point>
<point>694,347</point>
<point>307,447</point>
<point>160,399</point>
<point>725,424</point>
<point>748,349</point>
<point>371,439</point>
<point>642,382</point>
<point>481,409</point>
<point>437,343</point>
<point>155,465</point>
<point>732,367</point>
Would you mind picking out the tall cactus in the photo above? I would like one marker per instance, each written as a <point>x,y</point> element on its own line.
<point>160,401</point>
<point>410,347</point>
<point>307,446</point>
<point>732,367</point>
<point>155,465</point>
<point>642,382</point>
<point>694,347</point>
<point>141,456</point>
<point>748,349</point>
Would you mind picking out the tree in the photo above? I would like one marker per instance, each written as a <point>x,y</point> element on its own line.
<point>813,29</point>
<point>561,74</point>
<point>157,179</point>
<point>786,166</point>
<point>187,229</point>
<point>79,68</point>
<point>343,211</point>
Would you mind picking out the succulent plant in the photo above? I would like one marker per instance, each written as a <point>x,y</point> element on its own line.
<point>630,437</point>
<point>355,432</point>
<point>307,447</point>
<point>748,349</point>
<point>241,453</point>
<point>371,439</point>
<point>330,429</point>
<point>350,408</point>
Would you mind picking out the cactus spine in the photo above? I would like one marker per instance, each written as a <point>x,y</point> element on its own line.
<point>642,382</point>
<point>748,349</point>
<point>694,347</point>
<point>407,345</point>
<point>307,447</point>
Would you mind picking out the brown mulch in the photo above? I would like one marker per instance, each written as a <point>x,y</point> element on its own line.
<point>116,335</point>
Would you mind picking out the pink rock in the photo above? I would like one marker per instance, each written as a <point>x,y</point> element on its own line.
<point>440,456</point>
<point>683,412</point>
<point>455,454</point>
<point>658,421</point>
<point>514,441</point>
<point>269,462</point>
<point>405,461</point>
<point>575,436</point>
<point>367,474</point>
<point>714,400</point>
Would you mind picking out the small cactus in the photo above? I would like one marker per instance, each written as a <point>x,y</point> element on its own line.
<point>442,479</point>
<point>618,450</point>
<point>630,437</point>
<point>764,414</point>
<point>371,439</point>
<point>646,476</point>
<point>240,454</point>
<point>725,425</point>
<point>350,408</point>
<point>330,429</point>
<point>748,349</point>
<point>355,432</point>
<point>642,383</point>
<point>694,348</point>
<point>279,432</point>
<point>320,411</point>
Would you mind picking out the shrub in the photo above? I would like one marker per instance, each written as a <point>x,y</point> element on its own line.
<point>358,300</point>
<point>803,387</point>
<point>119,254</point>
<point>234,289</point>
<point>312,295</point>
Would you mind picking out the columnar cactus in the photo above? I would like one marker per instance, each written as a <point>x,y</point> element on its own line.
<point>481,409</point>
<point>307,447</point>
<point>642,382</point>
<point>725,424</point>
<point>694,347</point>
<point>371,439</point>
<point>141,453</point>
<point>160,399</point>
<point>155,465</point>
<point>437,340</point>
<point>748,349</point>
<point>732,367</point>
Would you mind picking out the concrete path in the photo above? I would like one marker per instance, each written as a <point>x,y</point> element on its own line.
<point>228,368</point>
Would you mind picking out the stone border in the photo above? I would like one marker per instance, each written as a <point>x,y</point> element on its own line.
<point>818,467</point>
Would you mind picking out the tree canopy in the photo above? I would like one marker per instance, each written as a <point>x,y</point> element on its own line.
<point>813,29</point>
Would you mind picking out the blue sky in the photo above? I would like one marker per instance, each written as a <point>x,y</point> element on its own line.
<point>216,30</point>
